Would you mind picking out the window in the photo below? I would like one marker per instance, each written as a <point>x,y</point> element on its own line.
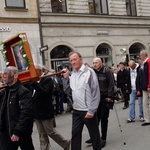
<point>134,51</point>
<point>15,3</point>
<point>59,57</point>
<point>104,6</point>
<point>58,6</point>
<point>98,6</point>
<point>105,53</point>
<point>91,7</point>
<point>131,7</point>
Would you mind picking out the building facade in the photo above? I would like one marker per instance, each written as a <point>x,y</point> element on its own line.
<point>17,17</point>
<point>110,29</point>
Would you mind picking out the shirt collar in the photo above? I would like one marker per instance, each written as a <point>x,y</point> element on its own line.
<point>81,69</point>
<point>135,67</point>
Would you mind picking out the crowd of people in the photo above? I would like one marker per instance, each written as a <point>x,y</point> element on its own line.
<point>90,93</point>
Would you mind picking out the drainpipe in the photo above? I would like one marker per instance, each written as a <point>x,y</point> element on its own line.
<point>40,31</point>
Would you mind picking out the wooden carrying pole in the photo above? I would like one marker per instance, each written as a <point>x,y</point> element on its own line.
<point>25,82</point>
<point>52,74</point>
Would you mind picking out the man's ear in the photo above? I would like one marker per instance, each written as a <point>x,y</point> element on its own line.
<point>16,76</point>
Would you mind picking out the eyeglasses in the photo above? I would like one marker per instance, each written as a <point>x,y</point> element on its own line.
<point>5,74</point>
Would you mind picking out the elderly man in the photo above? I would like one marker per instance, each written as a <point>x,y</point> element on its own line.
<point>106,84</point>
<point>145,84</point>
<point>86,97</point>
<point>44,113</point>
<point>135,91</point>
<point>16,119</point>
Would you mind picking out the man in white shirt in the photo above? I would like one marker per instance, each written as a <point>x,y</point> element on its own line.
<point>86,98</point>
<point>135,91</point>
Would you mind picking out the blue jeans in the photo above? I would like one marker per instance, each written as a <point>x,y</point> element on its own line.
<point>133,97</point>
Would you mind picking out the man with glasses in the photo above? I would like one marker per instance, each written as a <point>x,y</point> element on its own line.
<point>16,119</point>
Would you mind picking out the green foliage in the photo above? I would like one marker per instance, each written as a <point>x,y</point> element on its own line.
<point>3,52</point>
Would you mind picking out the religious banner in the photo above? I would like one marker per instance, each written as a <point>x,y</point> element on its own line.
<point>16,52</point>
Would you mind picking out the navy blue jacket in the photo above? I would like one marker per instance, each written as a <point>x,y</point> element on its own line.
<point>144,81</point>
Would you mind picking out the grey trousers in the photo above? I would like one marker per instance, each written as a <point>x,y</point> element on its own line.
<point>146,106</point>
<point>45,129</point>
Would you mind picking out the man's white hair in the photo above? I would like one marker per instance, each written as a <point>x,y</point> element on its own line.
<point>38,66</point>
<point>144,52</point>
<point>12,69</point>
<point>45,68</point>
<point>97,59</point>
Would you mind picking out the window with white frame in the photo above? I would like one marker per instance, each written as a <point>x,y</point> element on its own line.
<point>58,6</point>
<point>98,6</point>
<point>131,7</point>
<point>15,3</point>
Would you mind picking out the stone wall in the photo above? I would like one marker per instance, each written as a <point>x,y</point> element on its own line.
<point>84,32</point>
<point>143,7</point>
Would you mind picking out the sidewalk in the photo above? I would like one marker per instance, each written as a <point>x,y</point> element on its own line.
<point>136,136</point>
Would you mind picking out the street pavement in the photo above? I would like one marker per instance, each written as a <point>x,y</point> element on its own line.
<point>135,136</point>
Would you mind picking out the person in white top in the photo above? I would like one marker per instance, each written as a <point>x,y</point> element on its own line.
<point>135,91</point>
<point>86,98</point>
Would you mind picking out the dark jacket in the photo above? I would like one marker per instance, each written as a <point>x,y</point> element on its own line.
<point>106,82</point>
<point>146,75</point>
<point>19,118</point>
<point>42,99</point>
<point>122,78</point>
<point>137,81</point>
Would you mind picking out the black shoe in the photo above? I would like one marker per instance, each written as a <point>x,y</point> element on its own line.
<point>68,110</point>
<point>103,143</point>
<point>145,124</point>
<point>88,141</point>
<point>125,107</point>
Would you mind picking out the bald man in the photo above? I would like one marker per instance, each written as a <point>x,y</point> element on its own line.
<point>135,90</point>
<point>106,84</point>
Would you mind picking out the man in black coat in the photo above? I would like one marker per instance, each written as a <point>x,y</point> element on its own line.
<point>106,84</point>
<point>122,83</point>
<point>16,119</point>
<point>44,113</point>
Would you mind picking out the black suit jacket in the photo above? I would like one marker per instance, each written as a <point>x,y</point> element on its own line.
<point>42,99</point>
